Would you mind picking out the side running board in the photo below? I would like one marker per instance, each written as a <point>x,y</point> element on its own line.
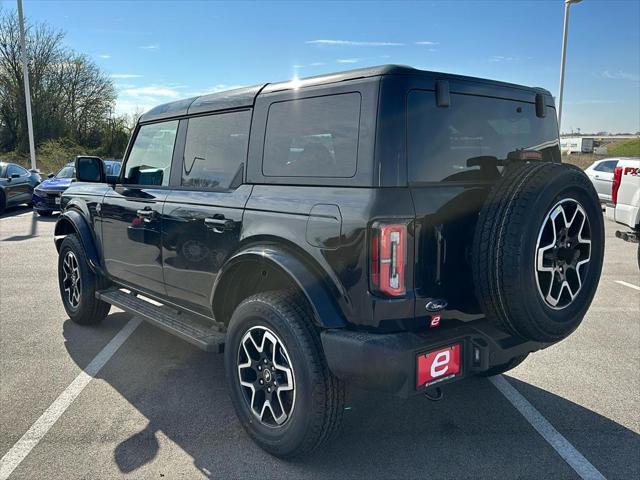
<point>177,323</point>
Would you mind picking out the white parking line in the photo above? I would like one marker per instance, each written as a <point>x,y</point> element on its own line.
<point>568,452</point>
<point>39,429</point>
<point>630,285</point>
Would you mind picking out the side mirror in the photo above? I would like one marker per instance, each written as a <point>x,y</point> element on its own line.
<point>51,175</point>
<point>90,169</point>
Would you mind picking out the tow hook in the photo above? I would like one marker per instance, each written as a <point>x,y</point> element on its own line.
<point>434,394</point>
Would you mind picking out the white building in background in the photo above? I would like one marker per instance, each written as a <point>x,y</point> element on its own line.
<point>576,145</point>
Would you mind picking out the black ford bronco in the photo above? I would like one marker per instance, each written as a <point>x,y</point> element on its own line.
<point>385,228</point>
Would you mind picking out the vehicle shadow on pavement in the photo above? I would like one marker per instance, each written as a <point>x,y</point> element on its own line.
<point>15,210</point>
<point>474,432</point>
<point>33,230</point>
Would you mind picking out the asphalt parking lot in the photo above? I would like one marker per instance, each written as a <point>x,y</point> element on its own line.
<point>158,408</point>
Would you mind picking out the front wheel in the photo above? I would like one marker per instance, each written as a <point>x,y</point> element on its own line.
<point>281,388</point>
<point>78,284</point>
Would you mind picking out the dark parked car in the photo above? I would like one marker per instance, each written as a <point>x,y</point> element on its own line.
<point>46,196</point>
<point>16,185</point>
<point>386,228</point>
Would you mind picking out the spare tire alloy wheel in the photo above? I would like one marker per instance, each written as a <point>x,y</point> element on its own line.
<point>71,282</point>
<point>266,376</point>
<point>537,250</point>
<point>563,249</point>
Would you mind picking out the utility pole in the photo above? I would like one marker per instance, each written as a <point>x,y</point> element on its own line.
<point>567,4</point>
<point>27,89</point>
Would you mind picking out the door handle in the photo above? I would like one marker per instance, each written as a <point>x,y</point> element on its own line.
<point>219,225</point>
<point>145,214</point>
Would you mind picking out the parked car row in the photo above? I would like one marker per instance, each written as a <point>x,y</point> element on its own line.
<point>46,196</point>
<point>19,186</point>
<point>16,185</point>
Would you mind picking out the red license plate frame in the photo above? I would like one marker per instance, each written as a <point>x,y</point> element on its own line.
<point>438,365</point>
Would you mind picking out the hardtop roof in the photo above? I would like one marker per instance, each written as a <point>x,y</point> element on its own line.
<point>245,96</point>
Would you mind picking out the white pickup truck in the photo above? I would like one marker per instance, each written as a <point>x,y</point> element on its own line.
<point>625,200</point>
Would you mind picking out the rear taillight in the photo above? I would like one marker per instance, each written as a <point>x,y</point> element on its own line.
<point>617,178</point>
<point>388,258</point>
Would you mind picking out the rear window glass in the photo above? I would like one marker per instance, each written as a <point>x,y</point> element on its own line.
<point>468,140</point>
<point>313,137</point>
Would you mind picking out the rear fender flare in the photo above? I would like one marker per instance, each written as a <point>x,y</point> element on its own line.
<point>326,312</point>
<point>72,221</point>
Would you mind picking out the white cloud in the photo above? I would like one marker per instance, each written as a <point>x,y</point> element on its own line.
<point>125,75</point>
<point>154,46</point>
<point>354,43</point>
<point>316,64</point>
<point>104,55</point>
<point>349,60</point>
<point>426,42</point>
<point>500,58</point>
<point>135,100</point>
<point>132,99</point>
<point>220,87</point>
<point>152,91</point>
<point>620,75</point>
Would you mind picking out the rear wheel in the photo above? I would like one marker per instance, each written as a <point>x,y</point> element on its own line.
<point>282,390</point>
<point>78,284</point>
<point>3,202</point>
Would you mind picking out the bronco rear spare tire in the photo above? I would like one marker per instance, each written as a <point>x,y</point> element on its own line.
<point>537,250</point>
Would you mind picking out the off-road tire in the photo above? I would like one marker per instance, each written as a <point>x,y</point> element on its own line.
<point>505,367</point>
<point>319,396</point>
<point>90,310</point>
<point>505,245</point>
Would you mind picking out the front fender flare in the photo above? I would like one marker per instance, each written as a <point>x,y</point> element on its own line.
<point>318,292</point>
<point>72,221</point>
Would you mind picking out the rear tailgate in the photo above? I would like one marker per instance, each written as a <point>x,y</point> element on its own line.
<point>455,155</point>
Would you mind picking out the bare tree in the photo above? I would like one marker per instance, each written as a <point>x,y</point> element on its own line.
<point>71,98</point>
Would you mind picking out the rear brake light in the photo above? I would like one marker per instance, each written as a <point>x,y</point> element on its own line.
<point>388,257</point>
<point>617,179</point>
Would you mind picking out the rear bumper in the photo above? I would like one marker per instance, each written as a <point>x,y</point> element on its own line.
<point>388,362</point>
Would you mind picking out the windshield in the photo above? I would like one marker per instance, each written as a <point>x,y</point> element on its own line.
<point>470,139</point>
<point>67,172</point>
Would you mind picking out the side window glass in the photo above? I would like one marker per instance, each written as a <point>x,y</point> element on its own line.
<point>149,162</point>
<point>608,167</point>
<point>16,169</point>
<point>313,137</point>
<point>215,150</point>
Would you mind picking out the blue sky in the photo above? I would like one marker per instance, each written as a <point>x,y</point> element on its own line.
<point>161,51</point>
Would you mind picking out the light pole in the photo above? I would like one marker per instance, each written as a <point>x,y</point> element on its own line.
<point>27,90</point>
<point>567,5</point>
